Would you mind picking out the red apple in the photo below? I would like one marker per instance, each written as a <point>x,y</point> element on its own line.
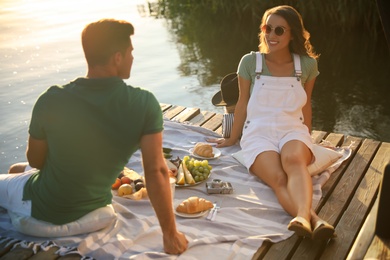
<point>126,180</point>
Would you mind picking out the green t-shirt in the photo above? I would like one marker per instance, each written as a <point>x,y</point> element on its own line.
<point>92,127</point>
<point>247,68</point>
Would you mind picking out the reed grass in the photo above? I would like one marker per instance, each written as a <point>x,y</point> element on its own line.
<point>216,33</point>
<point>345,15</point>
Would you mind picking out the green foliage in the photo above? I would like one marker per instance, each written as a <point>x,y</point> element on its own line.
<point>216,33</point>
<point>345,15</point>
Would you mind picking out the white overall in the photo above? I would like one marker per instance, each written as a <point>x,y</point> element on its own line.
<point>274,113</point>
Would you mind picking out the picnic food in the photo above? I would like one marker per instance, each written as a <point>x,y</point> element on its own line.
<point>192,171</point>
<point>126,176</point>
<point>139,185</point>
<point>172,168</point>
<point>180,176</point>
<point>167,152</point>
<point>116,184</point>
<point>204,150</point>
<point>187,174</point>
<point>130,184</point>
<point>194,205</point>
<point>126,179</point>
<point>125,189</point>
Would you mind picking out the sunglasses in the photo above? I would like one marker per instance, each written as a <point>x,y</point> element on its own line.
<point>279,30</point>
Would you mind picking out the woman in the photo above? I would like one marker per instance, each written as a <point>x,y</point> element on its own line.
<point>274,112</point>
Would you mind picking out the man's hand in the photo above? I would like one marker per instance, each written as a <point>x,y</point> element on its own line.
<point>158,186</point>
<point>176,244</point>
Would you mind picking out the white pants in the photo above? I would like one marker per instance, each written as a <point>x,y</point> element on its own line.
<point>11,192</point>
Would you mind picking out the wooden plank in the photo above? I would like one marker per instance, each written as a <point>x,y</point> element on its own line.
<point>352,142</point>
<point>214,122</point>
<point>173,111</point>
<point>379,249</point>
<point>283,249</point>
<point>219,130</point>
<point>334,139</point>
<point>186,115</point>
<point>318,136</point>
<point>365,236</point>
<point>6,245</point>
<point>260,254</point>
<point>349,181</point>
<point>360,205</point>
<point>165,107</point>
<point>202,118</point>
<point>19,251</point>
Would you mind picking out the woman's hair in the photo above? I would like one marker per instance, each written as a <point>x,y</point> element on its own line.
<point>300,43</point>
<point>105,37</point>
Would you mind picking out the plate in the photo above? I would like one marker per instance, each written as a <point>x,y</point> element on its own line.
<point>216,152</point>
<point>186,215</point>
<point>190,185</point>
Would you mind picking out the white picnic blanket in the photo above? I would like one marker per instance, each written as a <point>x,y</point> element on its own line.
<point>245,219</point>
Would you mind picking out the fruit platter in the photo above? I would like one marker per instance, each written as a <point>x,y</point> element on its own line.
<point>189,171</point>
<point>129,184</point>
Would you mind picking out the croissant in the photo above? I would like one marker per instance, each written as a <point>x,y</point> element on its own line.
<point>204,150</point>
<point>194,205</point>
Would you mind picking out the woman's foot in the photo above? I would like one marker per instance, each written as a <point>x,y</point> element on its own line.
<point>323,230</point>
<point>300,226</point>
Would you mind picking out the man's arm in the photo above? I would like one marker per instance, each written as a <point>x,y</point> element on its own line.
<point>36,152</point>
<point>158,187</point>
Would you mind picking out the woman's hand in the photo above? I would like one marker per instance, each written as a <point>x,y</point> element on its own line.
<point>221,142</point>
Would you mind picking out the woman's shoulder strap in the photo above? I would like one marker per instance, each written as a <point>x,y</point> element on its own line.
<point>259,63</point>
<point>297,65</point>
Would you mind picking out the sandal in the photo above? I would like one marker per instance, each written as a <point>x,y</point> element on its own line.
<point>323,230</point>
<point>300,226</point>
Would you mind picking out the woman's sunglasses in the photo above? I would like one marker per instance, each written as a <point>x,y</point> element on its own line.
<point>279,30</point>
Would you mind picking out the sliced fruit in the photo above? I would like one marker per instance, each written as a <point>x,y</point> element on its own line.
<point>172,167</point>
<point>180,175</point>
<point>187,174</point>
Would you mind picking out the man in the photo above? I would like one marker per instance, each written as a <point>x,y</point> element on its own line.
<point>82,134</point>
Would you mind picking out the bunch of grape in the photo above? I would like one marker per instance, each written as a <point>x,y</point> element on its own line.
<point>200,170</point>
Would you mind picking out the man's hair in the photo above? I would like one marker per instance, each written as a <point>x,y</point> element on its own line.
<point>105,37</point>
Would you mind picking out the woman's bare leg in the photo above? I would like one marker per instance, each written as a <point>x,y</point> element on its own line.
<point>292,183</point>
<point>295,157</point>
<point>268,168</point>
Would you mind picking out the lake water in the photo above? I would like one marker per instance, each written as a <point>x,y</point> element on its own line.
<point>40,46</point>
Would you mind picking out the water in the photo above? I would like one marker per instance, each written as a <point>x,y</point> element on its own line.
<point>40,46</point>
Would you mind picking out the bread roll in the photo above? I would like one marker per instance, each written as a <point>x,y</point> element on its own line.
<point>204,150</point>
<point>194,205</point>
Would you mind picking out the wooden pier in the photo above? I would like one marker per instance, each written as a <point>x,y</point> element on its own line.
<point>349,199</point>
<point>349,202</point>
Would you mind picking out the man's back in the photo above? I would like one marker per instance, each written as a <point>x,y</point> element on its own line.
<point>92,127</point>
